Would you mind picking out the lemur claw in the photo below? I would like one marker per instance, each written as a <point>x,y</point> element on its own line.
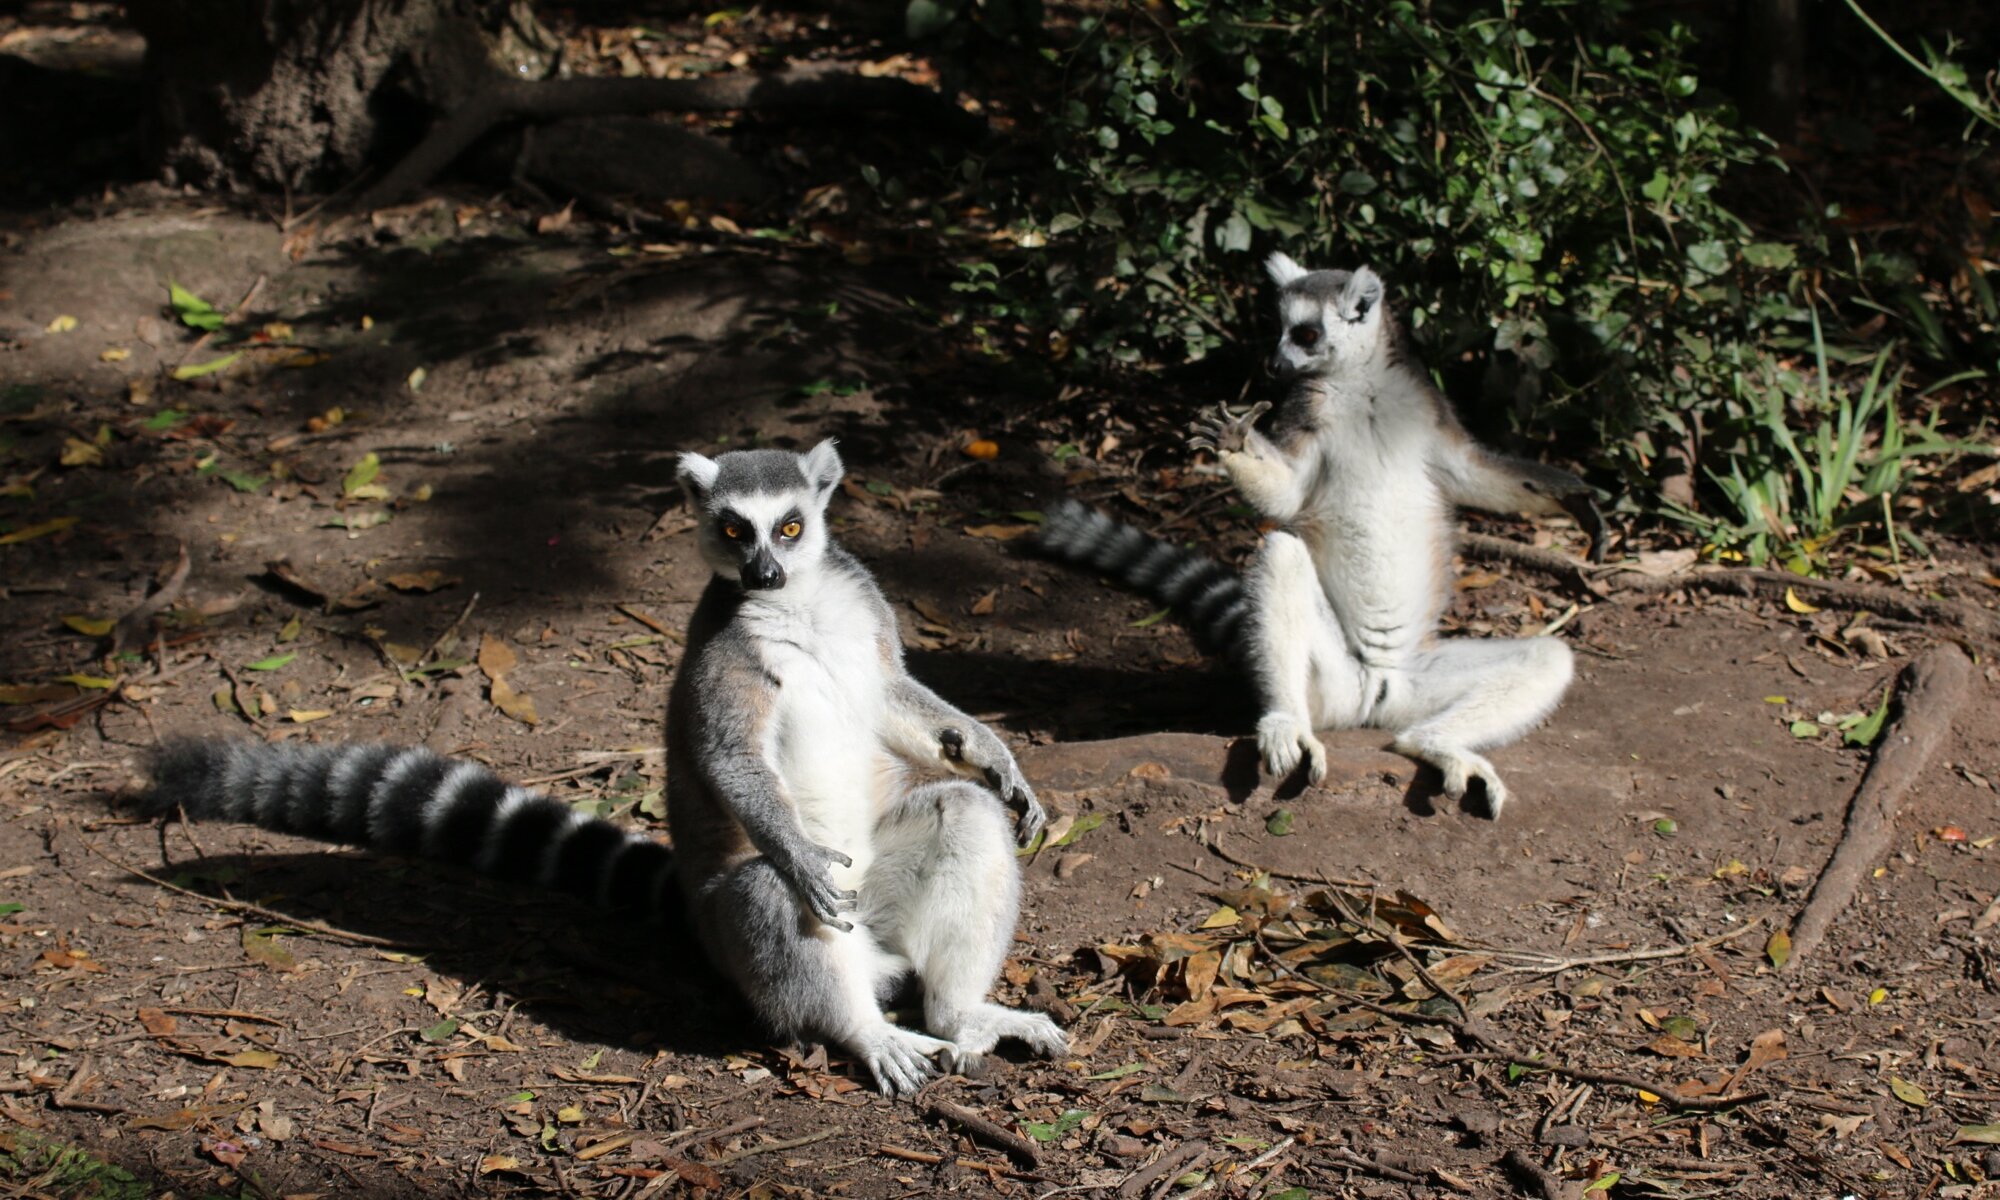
<point>1224,430</point>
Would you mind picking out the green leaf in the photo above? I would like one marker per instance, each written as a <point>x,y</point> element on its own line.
<point>1865,731</point>
<point>1769,255</point>
<point>193,311</point>
<point>1153,618</point>
<point>1666,827</point>
<point>1805,729</point>
<point>1985,1135</point>
<point>1280,823</point>
<point>1084,824</point>
<point>440,1031</point>
<point>1132,1068</point>
<point>1049,1131</point>
<point>1779,948</point>
<point>11,907</point>
<point>361,474</point>
<point>163,420</point>
<point>197,370</point>
<point>1603,1183</point>
<point>272,663</point>
<point>1909,1093</point>
<point>242,482</point>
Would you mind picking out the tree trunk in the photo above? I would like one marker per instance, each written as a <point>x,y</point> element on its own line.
<point>1770,65</point>
<point>306,94</point>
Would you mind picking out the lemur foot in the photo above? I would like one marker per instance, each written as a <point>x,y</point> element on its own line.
<point>987,1025</point>
<point>1222,430</point>
<point>1462,769</point>
<point>899,1060</point>
<point>1283,741</point>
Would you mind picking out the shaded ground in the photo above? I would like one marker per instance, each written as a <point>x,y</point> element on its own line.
<point>454,1038</point>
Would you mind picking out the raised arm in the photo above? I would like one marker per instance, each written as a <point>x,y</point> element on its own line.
<point>927,730</point>
<point>1473,476</point>
<point>1273,479</point>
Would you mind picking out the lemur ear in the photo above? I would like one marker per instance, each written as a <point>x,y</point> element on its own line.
<point>822,467</point>
<point>1282,269</point>
<point>696,474</point>
<point>1362,296</point>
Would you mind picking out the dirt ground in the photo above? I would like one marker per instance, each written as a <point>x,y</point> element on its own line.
<point>423,444</point>
<point>404,1031</point>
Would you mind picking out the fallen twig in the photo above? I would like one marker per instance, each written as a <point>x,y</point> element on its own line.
<point>1550,965</point>
<point>256,910</point>
<point>931,1158</point>
<point>984,1130</point>
<point>768,1147</point>
<point>1346,1157</point>
<point>1530,1177</point>
<point>451,630</point>
<point>1169,1166</point>
<point>1667,1094</point>
<point>1933,689</point>
<point>1215,1179</point>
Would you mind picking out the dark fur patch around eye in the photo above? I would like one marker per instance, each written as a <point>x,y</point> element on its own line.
<point>1305,335</point>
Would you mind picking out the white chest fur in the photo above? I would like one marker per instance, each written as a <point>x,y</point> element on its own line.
<point>1381,524</point>
<point>824,736</point>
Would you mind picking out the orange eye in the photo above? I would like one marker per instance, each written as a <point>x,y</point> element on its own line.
<point>792,529</point>
<point>733,532</point>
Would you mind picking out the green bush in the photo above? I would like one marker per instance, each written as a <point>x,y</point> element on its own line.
<point>1539,183</point>
<point>1543,185</point>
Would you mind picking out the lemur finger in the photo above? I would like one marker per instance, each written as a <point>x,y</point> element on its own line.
<point>953,743</point>
<point>1202,443</point>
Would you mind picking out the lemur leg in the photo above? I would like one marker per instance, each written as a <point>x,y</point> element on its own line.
<point>944,893</point>
<point>1466,695</point>
<point>806,978</point>
<point>1305,676</point>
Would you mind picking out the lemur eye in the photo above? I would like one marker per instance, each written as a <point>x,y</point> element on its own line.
<point>792,529</point>
<point>733,532</point>
<point>1305,335</point>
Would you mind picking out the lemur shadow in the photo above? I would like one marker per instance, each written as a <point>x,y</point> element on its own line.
<point>585,974</point>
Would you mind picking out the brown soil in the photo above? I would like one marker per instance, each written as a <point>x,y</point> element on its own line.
<point>528,468</point>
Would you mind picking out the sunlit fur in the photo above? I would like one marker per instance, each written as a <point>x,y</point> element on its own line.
<point>1363,467</point>
<point>840,827</point>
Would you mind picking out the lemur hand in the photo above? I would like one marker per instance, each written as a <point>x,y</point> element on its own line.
<point>991,758</point>
<point>1222,430</point>
<point>808,867</point>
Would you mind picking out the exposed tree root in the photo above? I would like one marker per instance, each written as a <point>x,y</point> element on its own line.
<point>1933,690</point>
<point>1953,615</point>
<point>797,89</point>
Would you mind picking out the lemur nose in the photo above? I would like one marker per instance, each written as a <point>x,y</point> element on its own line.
<point>763,573</point>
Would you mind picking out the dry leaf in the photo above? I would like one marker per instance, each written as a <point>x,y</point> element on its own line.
<point>421,581</point>
<point>518,705</point>
<point>999,533</point>
<point>496,657</point>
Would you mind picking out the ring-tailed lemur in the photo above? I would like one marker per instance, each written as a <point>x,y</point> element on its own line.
<point>836,825</point>
<point>1337,613</point>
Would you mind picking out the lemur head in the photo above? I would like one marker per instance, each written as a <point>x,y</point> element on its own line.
<point>1331,320</point>
<point>762,512</point>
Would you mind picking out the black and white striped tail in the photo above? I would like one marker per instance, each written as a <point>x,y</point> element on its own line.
<point>1207,596</point>
<point>416,803</point>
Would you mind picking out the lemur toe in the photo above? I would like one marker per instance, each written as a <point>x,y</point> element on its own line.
<point>1315,757</point>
